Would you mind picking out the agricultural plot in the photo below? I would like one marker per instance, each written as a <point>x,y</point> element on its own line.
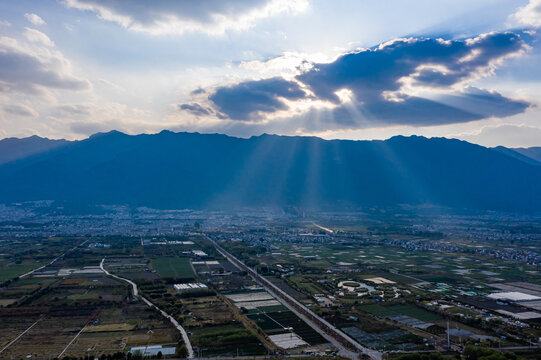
<point>253,300</point>
<point>250,296</point>
<point>173,267</point>
<point>266,323</point>
<point>206,311</point>
<point>103,329</point>
<point>250,305</point>
<point>119,329</point>
<point>12,271</point>
<point>287,340</point>
<point>228,340</point>
<point>306,285</point>
<point>14,323</point>
<point>387,340</point>
<point>287,319</point>
<point>402,309</point>
<point>47,338</point>
<point>19,289</point>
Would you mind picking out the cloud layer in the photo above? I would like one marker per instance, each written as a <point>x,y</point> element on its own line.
<point>406,81</point>
<point>35,19</point>
<point>246,100</point>
<point>33,66</point>
<point>160,17</point>
<point>529,15</point>
<point>510,135</point>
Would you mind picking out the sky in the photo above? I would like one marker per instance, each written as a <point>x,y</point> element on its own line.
<point>341,69</point>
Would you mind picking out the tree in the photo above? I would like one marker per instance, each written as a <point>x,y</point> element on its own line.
<point>182,351</point>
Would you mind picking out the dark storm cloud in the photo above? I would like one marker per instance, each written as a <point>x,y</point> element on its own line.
<point>381,79</point>
<point>245,100</point>
<point>428,62</point>
<point>198,91</point>
<point>484,103</point>
<point>195,109</point>
<point>418,111</point>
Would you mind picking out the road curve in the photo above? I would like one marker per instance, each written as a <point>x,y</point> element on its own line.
<point>163,313</point>
<point>334,335</point>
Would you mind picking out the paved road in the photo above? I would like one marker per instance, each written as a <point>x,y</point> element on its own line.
<point>331,333</point>
<point>250,357</point>
<point>164,314</point>
<point>21,334</point>
<point>71,342</point>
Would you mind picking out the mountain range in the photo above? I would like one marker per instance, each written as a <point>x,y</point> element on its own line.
<point>192,170</point>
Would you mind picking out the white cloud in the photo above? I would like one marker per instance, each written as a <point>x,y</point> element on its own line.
<point>37,36</point>
<point>510,135</point>
<point>34,19</point>
<point>212,17</point>
<point>5,23</point>
<point>35,65</point>
<point>529,15</point>
<point>112,85</point>
<point>34,77</point>
<point>74,110</point>
<point>287,65</point>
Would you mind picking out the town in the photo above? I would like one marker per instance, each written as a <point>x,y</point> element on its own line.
<point>269,283</point>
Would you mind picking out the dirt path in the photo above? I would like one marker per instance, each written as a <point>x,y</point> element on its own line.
<point>135,291</point>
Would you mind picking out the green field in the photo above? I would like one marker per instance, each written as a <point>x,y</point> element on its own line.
<point>173,267</point>
<point>403,309</point>
<point>12,271</point>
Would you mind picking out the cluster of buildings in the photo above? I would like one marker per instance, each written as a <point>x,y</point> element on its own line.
<point>189,286</point>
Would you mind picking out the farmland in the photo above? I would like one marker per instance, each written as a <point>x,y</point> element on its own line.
<point>14,270</point>
<point>382,293</point>
<point>402,309</point>
<point>362,279</point>
<point>172,267</point>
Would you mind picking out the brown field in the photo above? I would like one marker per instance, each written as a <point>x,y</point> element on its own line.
<point>72,282</point>
<point>109,328</point>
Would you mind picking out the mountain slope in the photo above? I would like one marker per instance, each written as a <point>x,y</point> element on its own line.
<point>12,149</point>
<point>532,152</point>
<point>178,170</point>
<point>518,155</point>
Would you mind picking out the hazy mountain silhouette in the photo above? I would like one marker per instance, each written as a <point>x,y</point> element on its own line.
<point>533,152</point>
<point>12,149</point>
<point>191,170</point>
<point>520,155</point>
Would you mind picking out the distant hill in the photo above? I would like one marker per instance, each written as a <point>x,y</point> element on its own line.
<point>519,155</point>
<point>191,170</point>
<point>12,149</point>
<point>533,152</point>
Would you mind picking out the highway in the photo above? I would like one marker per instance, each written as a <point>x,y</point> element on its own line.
<point>135,291</point>
<point>335,336</point>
